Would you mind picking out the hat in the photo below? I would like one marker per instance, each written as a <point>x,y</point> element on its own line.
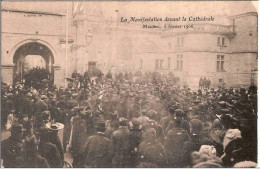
<point>44,97</point>
<point>135,123</point>
<point>171,110</point>
<point>245,164</point>
<point>143,111</point>
<point>101,125</point>
<point>230,135</point>
<point>54,126</point>
<point>45,115</point>
<point>17,128</point>
<point>77,109</point>
<point>208,150</point>
<point>29,95</point>
<point>207,164</point>
<point>179,113</point>
<point>122,121</point>
<point>196,126</point>
<point>9,95</point>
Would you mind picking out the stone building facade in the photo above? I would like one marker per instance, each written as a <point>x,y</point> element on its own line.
<point>224,51</point>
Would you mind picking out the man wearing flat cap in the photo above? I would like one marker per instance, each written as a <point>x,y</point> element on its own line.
<point>11,148</point>
<point>97,149</point>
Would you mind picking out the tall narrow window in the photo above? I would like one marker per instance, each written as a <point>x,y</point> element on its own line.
<point>169,62</point>
<point>180,41</point>
<point>161,64</point>
<point>220,63</point>
<point>221,41</point>
<point>179,62</point>
<point>156,64</point>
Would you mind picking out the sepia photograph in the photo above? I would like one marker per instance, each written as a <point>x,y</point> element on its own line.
<point>129,84</point>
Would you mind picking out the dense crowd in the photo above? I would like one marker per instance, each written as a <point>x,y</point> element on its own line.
<point>128,120</point>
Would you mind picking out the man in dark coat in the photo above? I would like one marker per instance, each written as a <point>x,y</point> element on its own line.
<point>97,150</point>
<point>121,146</point>
<point>151,152</point>
<point>135,138</point>
<point>11,148</point>
<point>165,120</point>
<point>48,150</point>
<point>54,139</point>
<point>174,142</point>
<point>78,136</point>
<point>195,143</point>
<point>40,106</point>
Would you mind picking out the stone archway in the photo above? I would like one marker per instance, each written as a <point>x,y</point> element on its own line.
<point>36,50</point>
<point>8,62</point>
<point>37,53</point>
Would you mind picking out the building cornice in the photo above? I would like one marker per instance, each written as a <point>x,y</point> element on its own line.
<point>243,15</point>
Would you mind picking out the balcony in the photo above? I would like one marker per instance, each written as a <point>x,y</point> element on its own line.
<point>228,30</point>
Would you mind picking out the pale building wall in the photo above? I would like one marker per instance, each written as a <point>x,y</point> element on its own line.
<point>19,28</point>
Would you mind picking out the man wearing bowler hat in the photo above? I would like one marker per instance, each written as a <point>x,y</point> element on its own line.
<point>97,150</point>
<point>195,142</point>
<point>11,148</point>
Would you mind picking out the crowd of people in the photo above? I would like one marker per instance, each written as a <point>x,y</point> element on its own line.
<point>129,121</point>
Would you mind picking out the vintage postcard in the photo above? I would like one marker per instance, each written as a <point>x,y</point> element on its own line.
<point>129,84</point>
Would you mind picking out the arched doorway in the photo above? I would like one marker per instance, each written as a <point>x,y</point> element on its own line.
<point>32,55</point>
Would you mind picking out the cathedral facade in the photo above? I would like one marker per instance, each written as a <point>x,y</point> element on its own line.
<point>224,51</point>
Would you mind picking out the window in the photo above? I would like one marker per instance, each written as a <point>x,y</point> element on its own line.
<point>220,63</point>
<point>179,62</point>
<point>158,64</point>
<point>180,41</point>
<point>221,41</point>
<point>161,64</point>
<point>169,62</point>
<point>141,64</point>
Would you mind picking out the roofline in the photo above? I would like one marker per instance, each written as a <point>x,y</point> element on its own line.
<point>31,12</point>
<point>244,14</point>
